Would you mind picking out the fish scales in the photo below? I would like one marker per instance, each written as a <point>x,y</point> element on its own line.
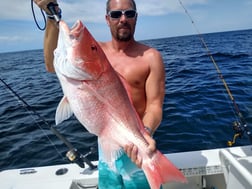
<point>100,99</point>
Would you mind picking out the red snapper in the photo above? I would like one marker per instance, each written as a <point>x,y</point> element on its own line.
<point>96,94</point>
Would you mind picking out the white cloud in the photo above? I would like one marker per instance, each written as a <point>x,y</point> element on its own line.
<point>15,10</point>
<point>4,39</point>
<point>91,10</point>
<point>29,37</point>
<point>209,15</point>
<point>88,10</point>
<point>153,8</point>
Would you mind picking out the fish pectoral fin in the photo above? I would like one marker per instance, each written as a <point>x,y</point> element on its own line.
<point>109,151</point>
<point>126,86</point>
<point>63,111</point>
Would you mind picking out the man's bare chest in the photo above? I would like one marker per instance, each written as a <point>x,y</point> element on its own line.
<point>133,71</point>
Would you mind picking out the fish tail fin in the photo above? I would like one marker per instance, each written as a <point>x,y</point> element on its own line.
<point>160,170</point>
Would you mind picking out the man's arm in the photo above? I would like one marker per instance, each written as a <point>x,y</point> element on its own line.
<point>155,92</point>
<point>51,35</point>
<point>50,43</point>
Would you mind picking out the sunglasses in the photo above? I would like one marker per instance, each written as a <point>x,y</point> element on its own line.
<point>118,13</point>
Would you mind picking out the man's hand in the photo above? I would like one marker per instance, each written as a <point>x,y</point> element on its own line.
<point>132,150</point>
<point>43,4</point>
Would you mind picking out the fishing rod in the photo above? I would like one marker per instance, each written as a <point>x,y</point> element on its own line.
<point>240,127</point>
<point>73,154</point>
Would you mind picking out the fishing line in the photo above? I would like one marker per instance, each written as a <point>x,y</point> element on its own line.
<point>73,154</point>
<point>240,127</point>
<point>29,109</point>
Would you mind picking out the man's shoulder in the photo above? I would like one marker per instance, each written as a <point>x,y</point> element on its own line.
<point>152,55</point>
<point>147,48</point>
<point>150,52</point>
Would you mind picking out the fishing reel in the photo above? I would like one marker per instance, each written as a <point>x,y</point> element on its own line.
<point>239,131</point>
<point>75,156</point>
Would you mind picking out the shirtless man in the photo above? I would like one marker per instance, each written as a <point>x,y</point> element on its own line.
<point>143,69</point>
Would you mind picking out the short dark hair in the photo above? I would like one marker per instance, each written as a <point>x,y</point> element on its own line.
<point>108,5</point>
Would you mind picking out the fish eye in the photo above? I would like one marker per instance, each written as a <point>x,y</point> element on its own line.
<point>71,36</point>
<point>93,48</point>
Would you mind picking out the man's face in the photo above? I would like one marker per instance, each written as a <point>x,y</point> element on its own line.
<point>122,27</point>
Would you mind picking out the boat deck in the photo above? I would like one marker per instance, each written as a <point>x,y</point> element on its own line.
<point>229,168</point>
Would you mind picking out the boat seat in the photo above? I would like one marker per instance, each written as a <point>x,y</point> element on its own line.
<point>237,170</point>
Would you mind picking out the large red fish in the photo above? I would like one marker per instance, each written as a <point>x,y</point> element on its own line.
<point>97,96</point>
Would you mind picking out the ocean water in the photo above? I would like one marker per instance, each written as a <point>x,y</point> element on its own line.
<point>198,113</point>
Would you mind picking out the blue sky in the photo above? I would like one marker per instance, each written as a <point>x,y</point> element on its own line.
<point>157,19</point>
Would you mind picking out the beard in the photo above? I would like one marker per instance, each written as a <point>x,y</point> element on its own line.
<point>124,35</point>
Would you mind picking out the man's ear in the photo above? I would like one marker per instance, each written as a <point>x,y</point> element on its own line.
<point>107,19</point>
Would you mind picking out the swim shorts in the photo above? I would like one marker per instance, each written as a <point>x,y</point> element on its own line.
<point>124,175</point>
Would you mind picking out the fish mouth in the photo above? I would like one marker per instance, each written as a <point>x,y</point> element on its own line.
<point>73,32</point>
<point>76,29</point>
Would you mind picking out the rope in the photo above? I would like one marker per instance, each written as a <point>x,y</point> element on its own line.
<point>35,19</point>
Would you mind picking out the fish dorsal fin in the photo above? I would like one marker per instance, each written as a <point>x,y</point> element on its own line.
<point>126,86</point>
<point>63,111</point>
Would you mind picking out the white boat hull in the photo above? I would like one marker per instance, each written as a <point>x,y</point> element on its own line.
<point>229,168</point>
